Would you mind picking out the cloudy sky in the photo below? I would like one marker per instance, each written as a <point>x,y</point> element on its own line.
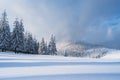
<point>94,21</point>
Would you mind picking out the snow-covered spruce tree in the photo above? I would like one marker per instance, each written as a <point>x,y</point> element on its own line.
<point>17,37</point>
<point>43,47</point>
<point>21,36</point>
<point>4,33</point>
<point>26,43</point>
<point>52,46</point>
<point>30,45</point>
<point>35,46</point>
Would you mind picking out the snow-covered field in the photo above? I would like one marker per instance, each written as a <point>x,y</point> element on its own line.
<point>40,67</point>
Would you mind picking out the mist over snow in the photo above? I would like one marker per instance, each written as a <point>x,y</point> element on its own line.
<point>93,21</point>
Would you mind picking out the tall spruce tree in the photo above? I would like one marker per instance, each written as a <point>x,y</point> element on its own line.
<point>21,36</point>
<point>43,47</point>
<point>18,37</point>
<point>30,45</point>
<point>52,46</point>
<point>15,38</point>
<point>35,46</point>
<point>4,33</point>
<point>26,46</point>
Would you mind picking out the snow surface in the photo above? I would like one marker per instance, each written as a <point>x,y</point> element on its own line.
<point>41,67</point>
<point>113,54</point>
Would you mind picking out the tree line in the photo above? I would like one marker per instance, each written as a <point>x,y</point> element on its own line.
<point>20,41</point>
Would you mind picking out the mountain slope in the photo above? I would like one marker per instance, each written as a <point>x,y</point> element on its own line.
<point>81,49</point>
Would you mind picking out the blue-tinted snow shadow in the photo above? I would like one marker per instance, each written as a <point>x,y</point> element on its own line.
<point>18,59</point>
<point>26,64</point>
<point>11,59</point>
<point>69,77</point>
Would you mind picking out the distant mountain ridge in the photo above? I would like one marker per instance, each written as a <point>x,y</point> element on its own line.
<point>80,49</point>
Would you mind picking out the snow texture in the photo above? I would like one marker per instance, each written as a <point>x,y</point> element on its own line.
<point>43,67</point>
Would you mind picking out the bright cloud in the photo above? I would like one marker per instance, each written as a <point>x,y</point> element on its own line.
<point>89,20</point>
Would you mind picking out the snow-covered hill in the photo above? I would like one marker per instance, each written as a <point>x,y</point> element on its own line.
<point>112,54</point>
<point>81,49</point>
